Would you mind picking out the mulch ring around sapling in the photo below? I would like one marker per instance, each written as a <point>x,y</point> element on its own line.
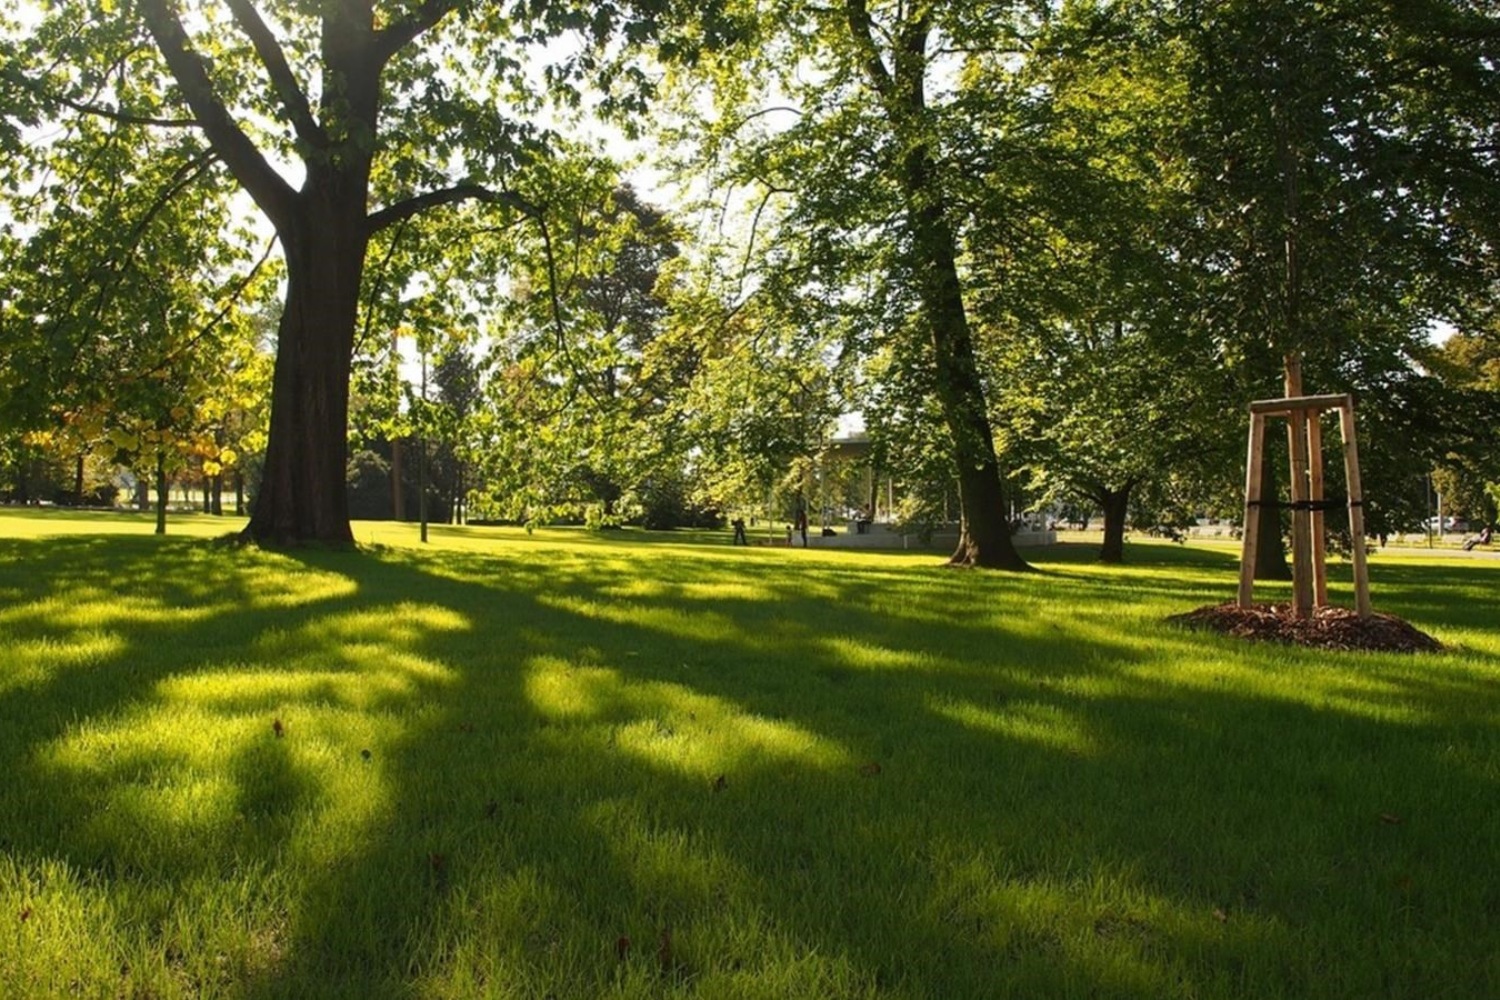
<point>1328,628</point>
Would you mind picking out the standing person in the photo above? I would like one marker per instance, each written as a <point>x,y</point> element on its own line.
<point>739,531</point>
<point>802,526</point>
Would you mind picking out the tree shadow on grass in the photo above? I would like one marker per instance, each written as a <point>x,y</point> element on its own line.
<point>918,798</point>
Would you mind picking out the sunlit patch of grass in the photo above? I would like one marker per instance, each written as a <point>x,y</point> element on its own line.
<point>675,621</point>
<point>726,591</point>
<point>620,765</point>
<point>857,654</point>
<point>1047,725</point>
<point>88,607</point>
<point>670,725</point>
<point>34,661</point>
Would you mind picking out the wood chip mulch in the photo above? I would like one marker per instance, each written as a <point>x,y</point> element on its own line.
<point>1328,628</point>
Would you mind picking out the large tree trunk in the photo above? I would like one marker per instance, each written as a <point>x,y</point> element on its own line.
<point>1115,503</point>
<point>302,496</point>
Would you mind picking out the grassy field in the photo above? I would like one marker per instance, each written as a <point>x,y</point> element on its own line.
<point>574,766</point>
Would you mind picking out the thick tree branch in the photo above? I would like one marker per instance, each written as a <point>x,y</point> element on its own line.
<point>402,210</point>
<point>911,60</point>
<point>396,36</point>
<point>293,99</point>
<point>862,31</point>
<point>274,196</point>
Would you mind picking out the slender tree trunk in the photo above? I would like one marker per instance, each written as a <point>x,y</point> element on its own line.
<point>422,486</point>
<point>161,493</point>
<point>458,491</point>
<point>398,488</point>
<point>302,495</point>
<point>78,481</point>
<point>239,493</point>
<point>984,532</point>
<point>216,494</point>
<point>1116,504</point>
<point>900,85</point>
<point>23,480</point>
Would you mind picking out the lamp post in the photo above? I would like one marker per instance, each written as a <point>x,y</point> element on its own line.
<point>422,457</point>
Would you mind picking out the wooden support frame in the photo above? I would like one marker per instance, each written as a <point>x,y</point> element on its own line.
<point>1310,581</point>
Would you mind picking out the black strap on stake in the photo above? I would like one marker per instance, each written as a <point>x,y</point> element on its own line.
<point>1331,503</point>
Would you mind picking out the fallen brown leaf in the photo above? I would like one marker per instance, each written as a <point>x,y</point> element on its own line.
<point>870,770</point>
<point>664,950</point>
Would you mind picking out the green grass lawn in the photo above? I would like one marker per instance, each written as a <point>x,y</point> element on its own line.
<point>574,766</point>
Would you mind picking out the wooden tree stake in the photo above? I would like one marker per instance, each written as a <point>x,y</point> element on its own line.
<point>1356,511</point>
<point>1256,456</point>
<point>1309,572</point>
<point>1317,527</point>
<point>1296,434</point>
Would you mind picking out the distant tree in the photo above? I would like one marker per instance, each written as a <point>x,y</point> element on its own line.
<point>1467,470</point>
<point>581,402</point>
<point>857,178</point>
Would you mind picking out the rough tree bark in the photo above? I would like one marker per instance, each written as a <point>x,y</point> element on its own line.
<point>302,495</point>
<point>1115,504</point>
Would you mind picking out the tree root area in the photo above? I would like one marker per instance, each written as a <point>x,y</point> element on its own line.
<point>1328,628</point>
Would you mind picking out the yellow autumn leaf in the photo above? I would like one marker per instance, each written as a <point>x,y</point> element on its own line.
<point>90,425</point>
<point>212,468</point>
